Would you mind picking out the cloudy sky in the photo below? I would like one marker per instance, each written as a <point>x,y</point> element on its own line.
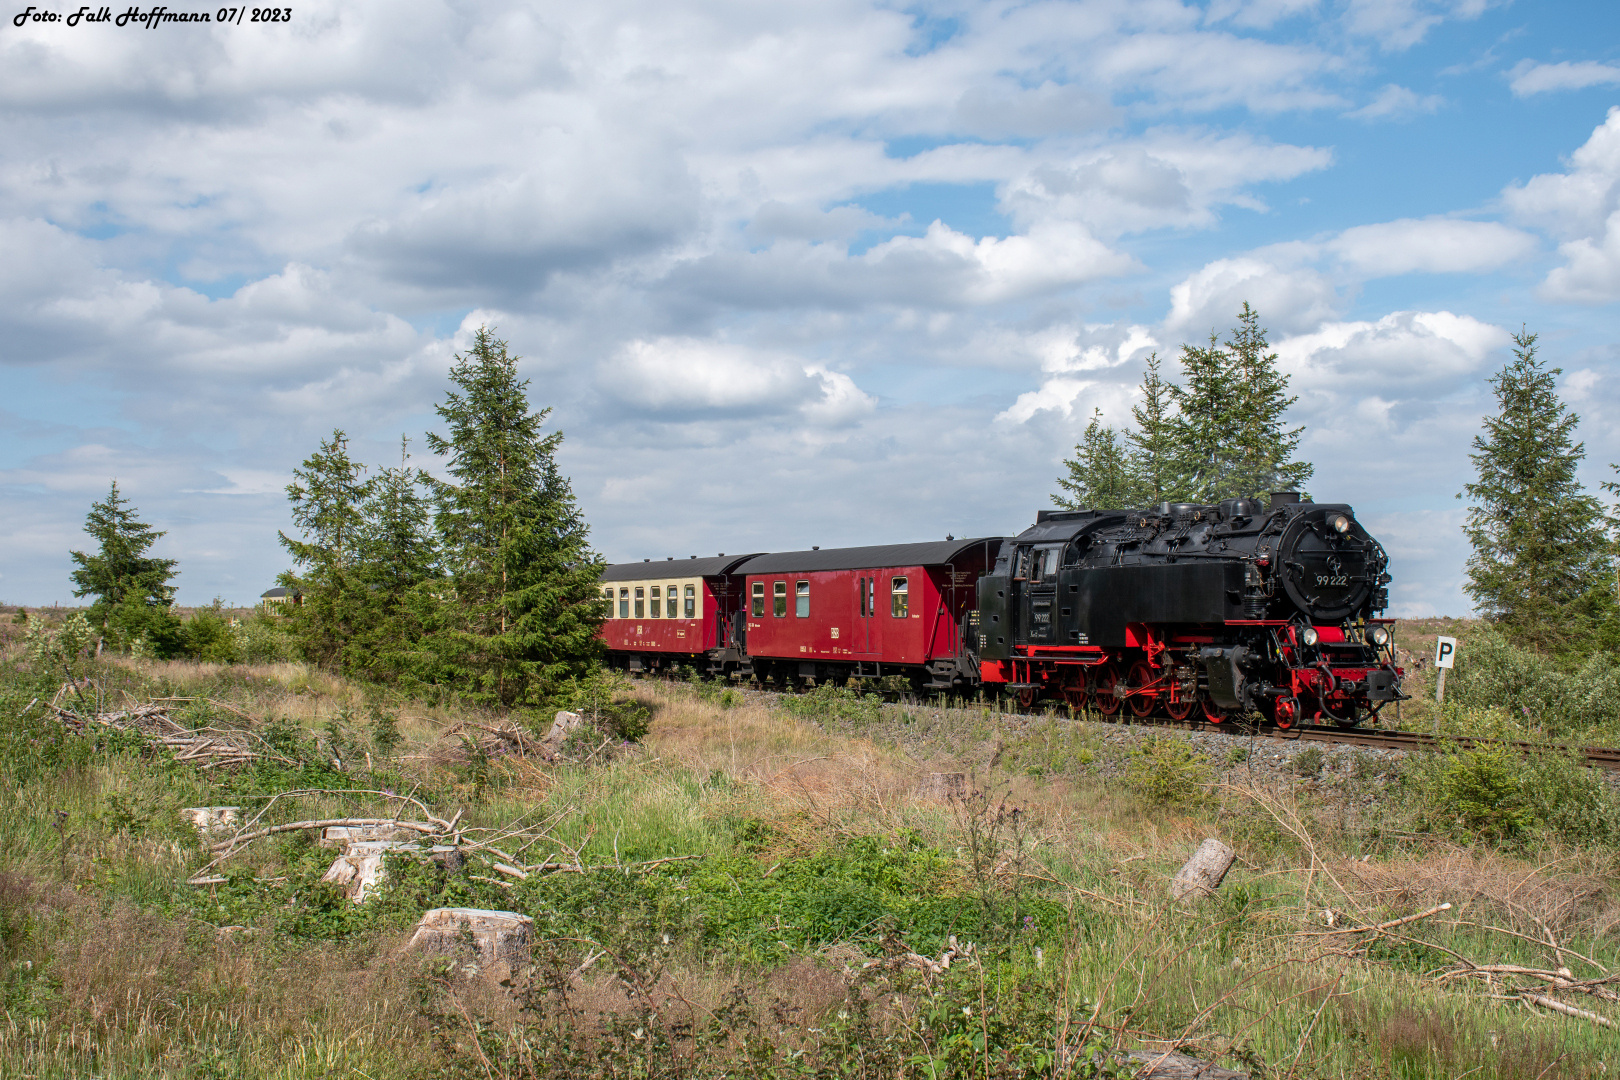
<point>789,273</point>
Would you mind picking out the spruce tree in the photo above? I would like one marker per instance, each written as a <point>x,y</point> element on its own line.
<point>1206,403</point>
<point>1154,455</point>
<point>1539,543</point>
<point>1099,475</point>
<point>1260,446</point>
<point>328,496</point>
<point>132,589</point>
<point>398,554</point>
<point>521,613</point>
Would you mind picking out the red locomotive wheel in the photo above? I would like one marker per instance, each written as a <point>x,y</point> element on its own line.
<point>1142,698</point>
<point>1284,712</point>
<point>1075,694</point>
<point>1176,705</point>
<point>1212,712</point>
<point>1102,690</point>
<point>1027,696</point>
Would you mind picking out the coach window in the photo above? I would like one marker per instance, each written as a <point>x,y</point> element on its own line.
<point>641,602</point>
<point>691,601</point>
<point>779,599</point>
<point>624,603</point>
<point>801,600</point>
<point>607,594</point>
<point>759,599</point>
<point>897,597</point>
<point>657,602</point>
<point>671,602</point>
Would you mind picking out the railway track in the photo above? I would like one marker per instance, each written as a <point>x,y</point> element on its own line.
<point>1601,757</point>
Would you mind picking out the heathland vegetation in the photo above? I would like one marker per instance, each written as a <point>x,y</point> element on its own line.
<point>729,883</point>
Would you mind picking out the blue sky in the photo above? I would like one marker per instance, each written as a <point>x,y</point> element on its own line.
<point>790,274</point>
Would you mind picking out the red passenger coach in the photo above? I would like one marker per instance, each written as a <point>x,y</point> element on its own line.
<point>866,612</point>
<point>664,614</point>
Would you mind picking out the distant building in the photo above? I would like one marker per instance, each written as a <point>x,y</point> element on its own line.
<point>275,599</point>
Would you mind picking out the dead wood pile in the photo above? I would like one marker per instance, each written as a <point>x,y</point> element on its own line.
<point>207,747</point>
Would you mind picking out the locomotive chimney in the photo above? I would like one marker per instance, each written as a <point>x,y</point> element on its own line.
<point>1280,499</point>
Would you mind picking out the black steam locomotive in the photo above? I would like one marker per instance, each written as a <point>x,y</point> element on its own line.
<point>1221,609</point>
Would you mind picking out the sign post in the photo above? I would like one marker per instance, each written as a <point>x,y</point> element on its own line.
<point>1445,655</point>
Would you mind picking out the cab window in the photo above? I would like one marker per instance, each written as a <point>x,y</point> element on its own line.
<point>759,600</point>
<point>691,601</point>
<point>624,603</point>
<point>801,600</point>
<point>657,602</point>
<point>897,597</point>
<point>671,602</point>
<point>641,602</point>
<point>780,599</point>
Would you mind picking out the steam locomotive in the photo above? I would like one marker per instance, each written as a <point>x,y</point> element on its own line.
<point>1183,609</point>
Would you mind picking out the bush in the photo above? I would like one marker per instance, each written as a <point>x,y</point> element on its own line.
<point>208,636</point>
<point>1165,770</point>
<point>1494,673</point>
<point>263,639</point>
<point>834,703</point>
<point>1495,794</point>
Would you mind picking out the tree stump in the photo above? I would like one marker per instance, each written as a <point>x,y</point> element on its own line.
<point>942,786</point>
<point>359,870</point>
<point>1203,873</point>
<point>209,820</point>
<point>565,724</point>
<point>480,939</point>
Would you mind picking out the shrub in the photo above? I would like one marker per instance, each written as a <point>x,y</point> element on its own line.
<point>834,703</point>
<point>1165,770</point>
<point>263,639</point>
<point>208,636</point>
<point>1498,795</point>
<point>1494,673</point>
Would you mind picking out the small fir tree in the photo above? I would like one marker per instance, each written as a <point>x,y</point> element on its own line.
<point>399,553</point>
<point>1154,455</point>
<point>328,496</point>
<point>1539,543</point>
<point>522,613</point>
<point>1099,475</point>
<point>132,589</point>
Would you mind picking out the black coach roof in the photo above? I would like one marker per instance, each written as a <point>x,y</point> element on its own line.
<point>933,553</point>
<point>662,568</point>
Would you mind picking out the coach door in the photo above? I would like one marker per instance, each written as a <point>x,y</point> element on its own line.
<point>865,640</point>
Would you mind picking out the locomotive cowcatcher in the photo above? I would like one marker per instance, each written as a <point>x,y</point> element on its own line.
<point>1214,609</point>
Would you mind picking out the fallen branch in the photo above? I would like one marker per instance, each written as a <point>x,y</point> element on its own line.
<point>322,823</point>
<point>523,872</point>
<point>1568,1010</point>
<point>1437,909</point>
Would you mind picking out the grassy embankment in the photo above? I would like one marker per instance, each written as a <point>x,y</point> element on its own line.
<point>753,960</point>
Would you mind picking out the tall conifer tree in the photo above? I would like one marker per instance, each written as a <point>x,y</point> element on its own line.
<point>1206,402</point>
<point>132,589</point>
<point>525,611</point>
<point>1538,538</point>
<point>1260,445</point>
<point>399,553</point>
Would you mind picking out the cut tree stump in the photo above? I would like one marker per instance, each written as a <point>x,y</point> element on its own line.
<point>359,870</point>
<point>1203,873</point>
<point>943,786</point>
<point>563,726</point>
<point>498,939</point>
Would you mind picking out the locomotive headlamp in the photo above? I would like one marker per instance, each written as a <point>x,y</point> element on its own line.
<point>1378,635</point>
<point>1310,636</point>
<point>1340,523</point>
